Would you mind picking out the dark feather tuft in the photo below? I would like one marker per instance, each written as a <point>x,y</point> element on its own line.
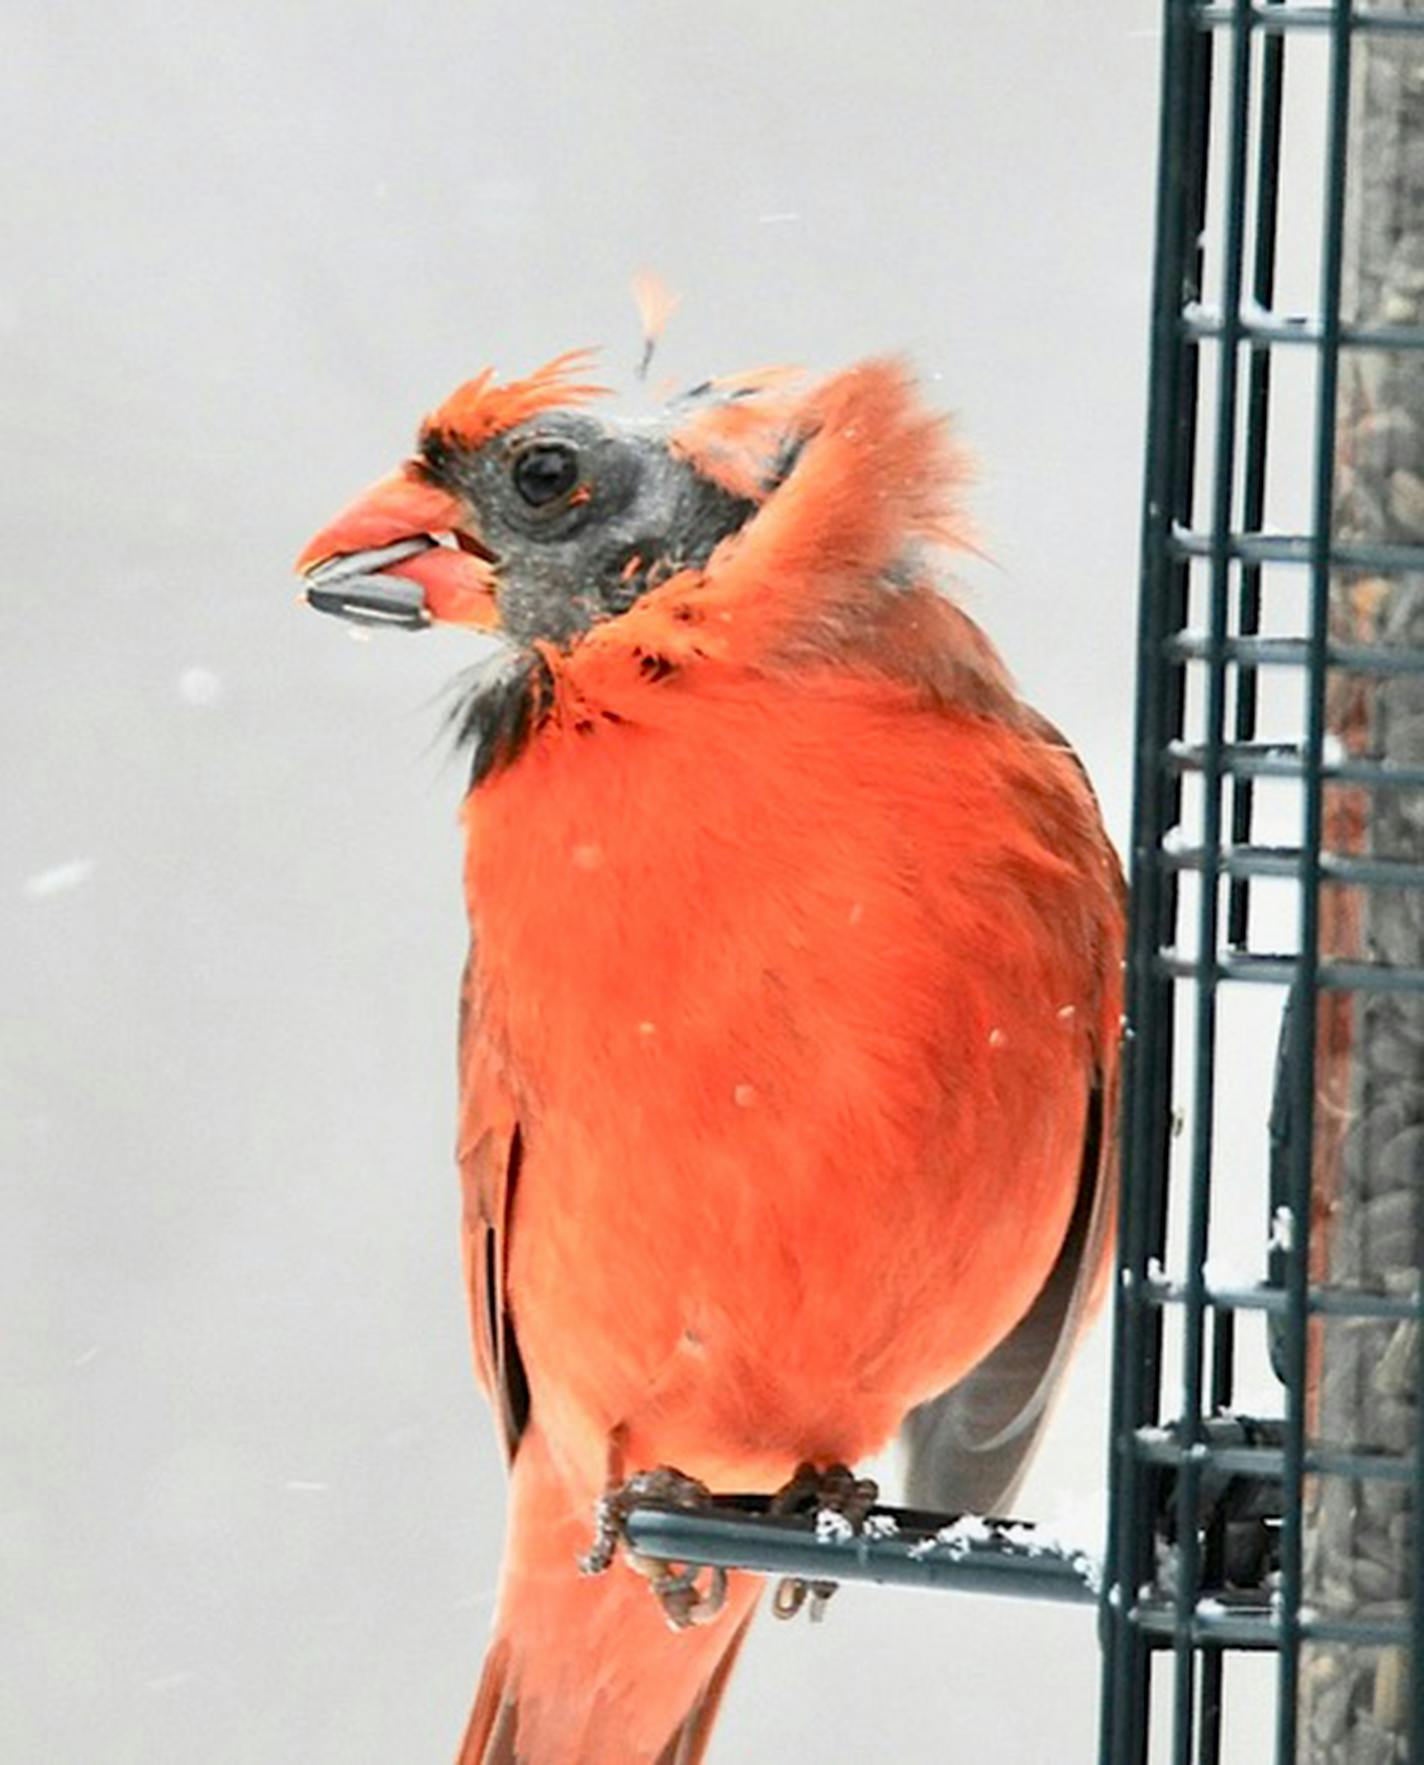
<point>438,458</point>
<point>502,701</point>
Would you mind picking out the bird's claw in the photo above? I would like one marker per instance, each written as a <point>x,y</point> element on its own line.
<point>835,1491</point>
<point>685,1604</point>
<point>675,1587</point>
<point>794,1591</point>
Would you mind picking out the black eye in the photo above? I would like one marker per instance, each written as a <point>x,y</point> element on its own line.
<point>545,472</point>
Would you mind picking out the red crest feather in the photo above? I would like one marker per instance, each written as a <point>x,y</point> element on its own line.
<point>479,410</point>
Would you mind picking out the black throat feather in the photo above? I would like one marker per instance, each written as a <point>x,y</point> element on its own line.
<point>502,702</point>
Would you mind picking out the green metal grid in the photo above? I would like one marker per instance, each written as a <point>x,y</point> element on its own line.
<point>1219,212</point>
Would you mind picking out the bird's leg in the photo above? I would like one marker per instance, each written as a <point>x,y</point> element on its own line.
<point>837,1492</point>
<point>674,1587</point>
<point>611,1510</point>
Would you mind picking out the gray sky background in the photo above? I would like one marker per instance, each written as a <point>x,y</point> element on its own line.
<point>249,1500</point>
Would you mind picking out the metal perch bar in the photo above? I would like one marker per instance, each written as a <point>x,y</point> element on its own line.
<point>924,1550</point>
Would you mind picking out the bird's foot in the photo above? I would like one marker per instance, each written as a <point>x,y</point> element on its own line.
<point>836,1490</point>
<point>685,1600</point>
<point>840,1502</point>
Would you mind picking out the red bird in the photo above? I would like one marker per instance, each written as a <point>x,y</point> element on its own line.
<point>789,1026</point>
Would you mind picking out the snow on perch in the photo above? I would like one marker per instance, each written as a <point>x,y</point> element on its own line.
<point>970,1531</point>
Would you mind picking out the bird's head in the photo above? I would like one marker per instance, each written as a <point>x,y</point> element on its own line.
<point>523,512</point>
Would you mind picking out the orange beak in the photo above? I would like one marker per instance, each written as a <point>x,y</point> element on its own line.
<point>378,561</point>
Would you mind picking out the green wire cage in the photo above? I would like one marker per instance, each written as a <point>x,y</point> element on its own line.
<point>1281,657</point>
<point>1265,1464</point>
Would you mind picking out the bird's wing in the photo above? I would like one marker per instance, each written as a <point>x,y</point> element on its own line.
<point>969,1448</point>
<point>489,1155</point>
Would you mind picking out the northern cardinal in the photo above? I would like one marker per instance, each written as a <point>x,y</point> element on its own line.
<point>790,1021</point>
